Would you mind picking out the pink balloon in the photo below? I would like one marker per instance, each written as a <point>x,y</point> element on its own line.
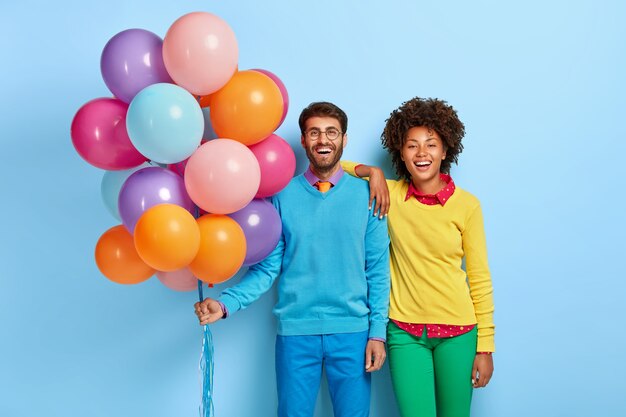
<point>180,280</point>
<point>200,52</point>
<point>222,176</point>
<point>281,87</point>
<point>277,162</point>
<point>99,135</point>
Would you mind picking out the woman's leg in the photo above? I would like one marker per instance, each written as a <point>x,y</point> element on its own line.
<point>411,366</point>
<point>453,359</point>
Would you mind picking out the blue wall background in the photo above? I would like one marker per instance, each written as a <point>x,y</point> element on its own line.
<point>541,89</point>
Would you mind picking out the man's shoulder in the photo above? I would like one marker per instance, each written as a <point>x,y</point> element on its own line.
<point>294,185</point>
<point>356,185</point>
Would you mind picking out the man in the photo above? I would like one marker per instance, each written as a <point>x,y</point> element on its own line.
<point>333,291</point>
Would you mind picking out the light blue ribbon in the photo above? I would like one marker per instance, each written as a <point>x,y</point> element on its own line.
<point>206,368</point>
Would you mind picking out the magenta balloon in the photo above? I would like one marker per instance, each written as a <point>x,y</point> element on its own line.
<point>277,162</point>
<point>283,91</point>
<point>99,135</point>
<point>148,187</point>
<point>222,176</point>
<point>178,167</point>
<point>180,280</point>
<point>262,227</point>
<point>131,61</point>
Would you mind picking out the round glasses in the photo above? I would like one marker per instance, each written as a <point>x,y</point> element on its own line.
<point>315,134</point>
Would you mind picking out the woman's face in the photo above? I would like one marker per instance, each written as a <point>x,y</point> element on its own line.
<point>422,153</point>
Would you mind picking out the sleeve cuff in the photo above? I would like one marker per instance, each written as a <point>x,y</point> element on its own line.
<point>486,344</point>
<point>229,304</point>
<point>378,330</point>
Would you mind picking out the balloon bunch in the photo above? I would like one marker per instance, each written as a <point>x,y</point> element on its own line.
<point>186,133</point>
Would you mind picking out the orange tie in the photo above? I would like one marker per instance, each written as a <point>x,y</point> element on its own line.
<point>323,186</point>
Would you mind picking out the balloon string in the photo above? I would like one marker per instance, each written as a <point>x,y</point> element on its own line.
<point>206,367</point>
<point>206,359</point>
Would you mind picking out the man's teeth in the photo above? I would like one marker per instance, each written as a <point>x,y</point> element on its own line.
<point>422,164</point>
<point>323,150</point>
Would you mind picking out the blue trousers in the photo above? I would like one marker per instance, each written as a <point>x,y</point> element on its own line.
<point>299,361</point>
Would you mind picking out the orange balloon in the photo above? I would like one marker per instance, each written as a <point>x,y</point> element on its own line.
<point>222,249</point>
<point>117,258</point>
<point>167,237</point>
<point>247,109</point>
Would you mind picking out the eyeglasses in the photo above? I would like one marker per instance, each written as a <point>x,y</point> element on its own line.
<point>316,134</point>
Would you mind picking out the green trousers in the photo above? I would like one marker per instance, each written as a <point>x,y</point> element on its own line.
<point>431,376</point>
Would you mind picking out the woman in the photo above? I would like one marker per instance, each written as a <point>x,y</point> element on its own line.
<point>441,332</point>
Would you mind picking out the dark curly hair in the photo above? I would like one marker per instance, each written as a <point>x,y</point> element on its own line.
<point>431,113</point>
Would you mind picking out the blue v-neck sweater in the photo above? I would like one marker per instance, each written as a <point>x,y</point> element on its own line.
<point>332,263</point>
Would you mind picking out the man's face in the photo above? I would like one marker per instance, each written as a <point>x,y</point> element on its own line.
<point>323,149</point>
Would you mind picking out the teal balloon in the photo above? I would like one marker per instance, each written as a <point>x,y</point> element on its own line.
<point>111,185</point>
<point>165,123</point>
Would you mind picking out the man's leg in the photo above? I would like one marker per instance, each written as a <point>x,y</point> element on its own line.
<point>348,383</point>
<point>298,374</point>
<point>411,366</point>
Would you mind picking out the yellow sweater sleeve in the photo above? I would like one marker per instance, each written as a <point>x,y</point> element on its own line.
<point>479,278</point>
<point>350,167</point>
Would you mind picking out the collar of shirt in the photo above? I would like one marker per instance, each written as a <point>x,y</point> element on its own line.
<point>312,178</point>
<point>433,199</point>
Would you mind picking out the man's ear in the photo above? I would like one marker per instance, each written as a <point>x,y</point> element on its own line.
<point>302,141</point>
<point>345,140</point>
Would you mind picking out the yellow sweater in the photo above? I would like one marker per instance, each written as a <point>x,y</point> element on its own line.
<point>428,246</point>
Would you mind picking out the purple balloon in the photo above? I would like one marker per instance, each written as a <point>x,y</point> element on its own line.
<point>148,187</point>
<point>262,227</point>
<point>131,61</point>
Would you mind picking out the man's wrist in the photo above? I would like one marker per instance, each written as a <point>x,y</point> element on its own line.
<point>224,310</point>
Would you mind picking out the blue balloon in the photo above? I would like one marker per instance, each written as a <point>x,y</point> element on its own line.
<point>111,185</point>
<point>165,123</point>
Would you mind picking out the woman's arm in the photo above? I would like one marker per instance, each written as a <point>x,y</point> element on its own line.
<point>379,192</point>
